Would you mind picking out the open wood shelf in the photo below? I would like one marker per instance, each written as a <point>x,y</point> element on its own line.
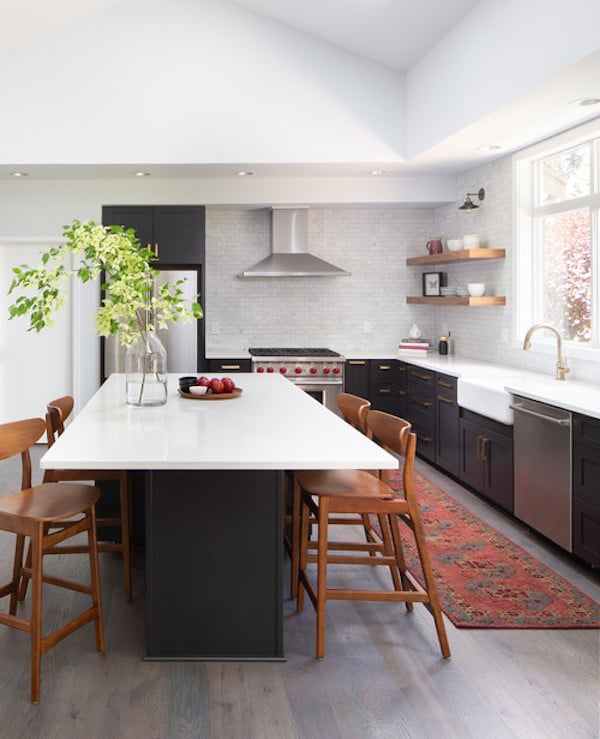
<point>452,257</point>
<point>455,300</point>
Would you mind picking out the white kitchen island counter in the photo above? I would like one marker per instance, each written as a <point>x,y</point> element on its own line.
<point>212,473</point>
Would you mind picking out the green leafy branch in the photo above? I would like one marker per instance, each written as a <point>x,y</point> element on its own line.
<point>129,307</point>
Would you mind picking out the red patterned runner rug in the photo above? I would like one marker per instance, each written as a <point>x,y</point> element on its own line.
<point>486,581</point>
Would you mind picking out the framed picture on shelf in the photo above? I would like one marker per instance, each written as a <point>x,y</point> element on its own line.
<point>432,282</point>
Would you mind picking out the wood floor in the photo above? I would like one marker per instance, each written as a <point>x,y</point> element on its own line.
<point>383,676</point>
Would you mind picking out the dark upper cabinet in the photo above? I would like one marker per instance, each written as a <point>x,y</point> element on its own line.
<point>175,233</point>
<point>586,488</point>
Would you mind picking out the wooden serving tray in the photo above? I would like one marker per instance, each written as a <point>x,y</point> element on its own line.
<point>213,396</point>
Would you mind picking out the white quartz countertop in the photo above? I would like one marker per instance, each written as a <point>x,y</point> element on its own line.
<point>272,425</point>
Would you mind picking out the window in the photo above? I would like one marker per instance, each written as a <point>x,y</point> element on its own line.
<point>557,264</point>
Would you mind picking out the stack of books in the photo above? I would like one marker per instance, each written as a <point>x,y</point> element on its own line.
<point>413,347</point>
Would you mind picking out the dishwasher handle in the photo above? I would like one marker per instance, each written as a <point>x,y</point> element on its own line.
<point>558,421</point>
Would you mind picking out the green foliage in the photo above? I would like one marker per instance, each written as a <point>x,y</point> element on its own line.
<point>129,306</point>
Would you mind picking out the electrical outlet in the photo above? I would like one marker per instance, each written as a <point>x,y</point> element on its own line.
<point>215,328</point>
<point>367,327</point>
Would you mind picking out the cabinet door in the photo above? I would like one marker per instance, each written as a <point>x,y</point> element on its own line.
<point>497,456</point>
<point>586,531</point>
<point>446,424</point>
<point>179,234</point>
<point>470,466</point>
<point>356,377</point>
<point>131,216</point>
<point>383,385</point>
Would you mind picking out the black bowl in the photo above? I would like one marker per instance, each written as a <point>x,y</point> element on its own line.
<point>186,382</point>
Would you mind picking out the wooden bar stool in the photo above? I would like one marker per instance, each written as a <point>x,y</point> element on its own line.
<point>358,492</point>
<point>57,413</point>
<point>354,410</point>
<point>31,514</point>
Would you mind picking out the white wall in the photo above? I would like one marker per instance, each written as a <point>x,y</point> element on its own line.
<point>194,81</point>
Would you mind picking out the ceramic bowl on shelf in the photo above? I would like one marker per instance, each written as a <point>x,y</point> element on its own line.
<point>476,289</point>
<point>454,244</point>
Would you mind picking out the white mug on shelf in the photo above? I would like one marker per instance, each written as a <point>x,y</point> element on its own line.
<point>471,241</point>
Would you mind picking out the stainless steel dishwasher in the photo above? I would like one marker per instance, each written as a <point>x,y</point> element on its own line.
<point>542,459</point>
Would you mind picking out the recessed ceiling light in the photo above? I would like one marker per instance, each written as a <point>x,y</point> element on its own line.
<point>585,101</point>
<point>244,173</point>
<point>377,172</point>
<point>142,174</point>
<point>488,147</point>
<point>19,174</point>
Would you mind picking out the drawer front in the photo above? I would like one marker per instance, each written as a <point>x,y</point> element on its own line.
<point>586,473</point>
<point>425,441</point>
<point>587,430</point>
<point>229,365</point>
<point>445,386</point>
<point>383,369</point>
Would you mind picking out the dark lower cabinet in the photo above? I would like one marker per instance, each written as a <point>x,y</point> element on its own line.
<point>486,457</point>
<point>356,377</point>
<point>446,423</point>
<point>387,387</point>
<point>586,489</point>
<point>229,365</point>
<point>420,408</point>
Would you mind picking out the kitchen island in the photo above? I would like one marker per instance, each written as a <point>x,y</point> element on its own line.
<point>213,474</point>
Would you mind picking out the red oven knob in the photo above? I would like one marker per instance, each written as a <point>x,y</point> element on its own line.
<point>270,369</point>
<point>298,370</point>
<point>336,370</point>
<point>313,370</point>
<point>260,369</point>
<point>283,370</point>
<point>326,371</point>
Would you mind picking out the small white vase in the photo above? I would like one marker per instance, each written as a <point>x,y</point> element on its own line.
<point>146,371</point>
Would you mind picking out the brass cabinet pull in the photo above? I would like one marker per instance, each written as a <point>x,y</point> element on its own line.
<point>230,367</point>
<point>156,249</point>
<point>420,437</point>
<point>384,390</point>
<point>402,368</point>
<point>422,403</point>
<point>356,361</point>
<point>419,376</point>
<point>445,400</point>
<point>401,392</point>
<point>384,367</point>
<point>443,383</point>
<point>484,449</point>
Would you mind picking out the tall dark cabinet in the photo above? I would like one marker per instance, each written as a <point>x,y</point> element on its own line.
<point>586,488</point>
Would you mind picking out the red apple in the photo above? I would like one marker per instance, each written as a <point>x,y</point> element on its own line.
<point>228,385</point>
<point>203,381</point>
<point>216,385</point>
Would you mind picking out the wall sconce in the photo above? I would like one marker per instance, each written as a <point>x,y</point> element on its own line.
<point>469,204</point>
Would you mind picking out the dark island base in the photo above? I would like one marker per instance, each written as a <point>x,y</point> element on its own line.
<point>214,557</point>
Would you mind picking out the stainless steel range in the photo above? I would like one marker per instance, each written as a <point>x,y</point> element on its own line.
<point>319,372</point>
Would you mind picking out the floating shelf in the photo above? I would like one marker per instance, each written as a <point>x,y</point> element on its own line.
<point>451,257</point>
<point>454,300</point>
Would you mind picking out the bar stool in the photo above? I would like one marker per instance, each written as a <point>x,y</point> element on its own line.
<point>358,492</point>
<point>44,514</point>
<point>57,413</point>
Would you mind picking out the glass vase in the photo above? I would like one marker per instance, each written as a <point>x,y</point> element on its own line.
<point>146,371</point>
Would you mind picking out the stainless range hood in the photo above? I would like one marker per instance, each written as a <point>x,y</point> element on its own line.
<point>289,253</point>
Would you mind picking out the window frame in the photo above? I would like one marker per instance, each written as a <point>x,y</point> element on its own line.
<point>527,260</point>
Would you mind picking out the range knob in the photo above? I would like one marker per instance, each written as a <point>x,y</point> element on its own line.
<point>336,370</point>
<point>313,370</point>
<point>298,370</point>
<point>326,370</point>
<point>283,370</point>
<point>260,369</point>
<point>270,369</point>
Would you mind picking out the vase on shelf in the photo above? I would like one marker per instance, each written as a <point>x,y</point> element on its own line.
<point>146,371</point>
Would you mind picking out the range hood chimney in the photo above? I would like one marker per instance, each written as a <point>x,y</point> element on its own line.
<point>289,253</point>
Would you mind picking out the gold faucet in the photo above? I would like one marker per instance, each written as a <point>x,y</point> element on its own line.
<point>561,363</point>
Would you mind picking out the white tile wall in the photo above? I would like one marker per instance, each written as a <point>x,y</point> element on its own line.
<point>373,244</point>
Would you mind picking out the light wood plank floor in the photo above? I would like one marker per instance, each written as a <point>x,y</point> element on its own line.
<point>383,676</point>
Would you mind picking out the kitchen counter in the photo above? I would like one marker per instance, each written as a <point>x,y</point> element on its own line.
<point>213,480</point>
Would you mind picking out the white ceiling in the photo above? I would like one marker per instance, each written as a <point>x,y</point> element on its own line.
<point>394,33</point>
